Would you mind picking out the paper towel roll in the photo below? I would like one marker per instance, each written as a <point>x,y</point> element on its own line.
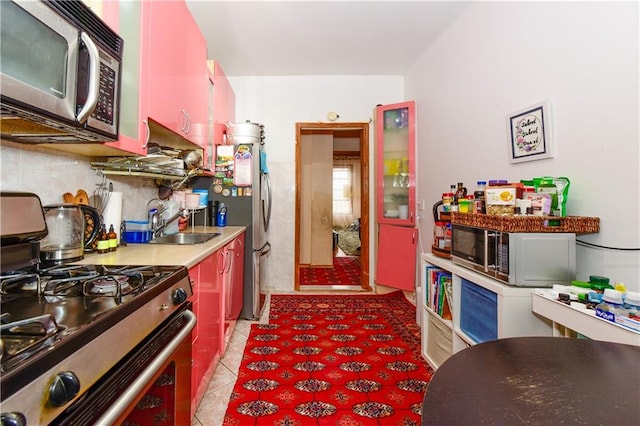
<point>112,214</point>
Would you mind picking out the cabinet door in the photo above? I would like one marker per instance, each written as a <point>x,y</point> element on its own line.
<point>177,77</point>
<point>206,351</point>
<point>224,102</point>
<point>130,19</point>
<point>197,364</point>
<point>395,163</point>
<point>396,265</point>
<point>222,264</point>
<point>237,277</point>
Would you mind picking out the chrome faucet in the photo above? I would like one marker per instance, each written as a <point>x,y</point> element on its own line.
<point>157,224</point>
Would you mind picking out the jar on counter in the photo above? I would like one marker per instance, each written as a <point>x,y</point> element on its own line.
<point>611,306</point>
<point>466,204</point>
<point>632,303</point>
<point>447,201</point>
<point>441,235</point>
<point>478,195</point>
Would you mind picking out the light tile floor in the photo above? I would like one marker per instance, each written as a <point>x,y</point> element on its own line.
<point>213,406</point>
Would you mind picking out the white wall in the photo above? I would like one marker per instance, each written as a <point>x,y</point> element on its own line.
<point>499,57</point>
<point>281,102</point>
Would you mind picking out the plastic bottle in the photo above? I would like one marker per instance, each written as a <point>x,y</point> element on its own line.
<point>103,240</point>
<point>478,196</point>
<point>222,215</point>
<point>460,194</point>
<point>611,306</point>
<point>632,303</point>
<point>112,238</point>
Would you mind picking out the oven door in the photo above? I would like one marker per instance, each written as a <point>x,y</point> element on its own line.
<point>469,247</point>
<point>39,59</point>
<point>152,385</point>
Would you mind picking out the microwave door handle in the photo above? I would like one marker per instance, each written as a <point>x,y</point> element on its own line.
<point>94,79</point>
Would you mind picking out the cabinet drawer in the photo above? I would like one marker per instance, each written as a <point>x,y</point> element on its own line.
<point>439,340</point>
<point>478,312</point>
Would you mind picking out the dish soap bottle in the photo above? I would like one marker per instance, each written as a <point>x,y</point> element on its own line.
<point>222,215</point>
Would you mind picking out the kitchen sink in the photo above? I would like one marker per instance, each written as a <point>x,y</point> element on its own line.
<point>184,238</point>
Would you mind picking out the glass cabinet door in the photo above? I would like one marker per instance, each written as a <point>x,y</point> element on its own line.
<point>395,144</point>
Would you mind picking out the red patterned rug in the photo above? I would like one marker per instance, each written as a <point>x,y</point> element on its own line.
<point>332,360</point>
<point>345,271</point>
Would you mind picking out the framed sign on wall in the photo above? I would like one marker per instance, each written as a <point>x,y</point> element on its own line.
<point>529,132</point>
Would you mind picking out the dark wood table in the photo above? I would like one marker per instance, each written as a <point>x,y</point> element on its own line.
<point>537,381</point>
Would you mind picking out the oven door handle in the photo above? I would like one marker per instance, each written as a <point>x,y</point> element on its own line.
<point>129,395</point>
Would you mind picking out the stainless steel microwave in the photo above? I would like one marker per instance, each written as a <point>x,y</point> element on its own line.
<point>60,73</point>
<point>519,259</point>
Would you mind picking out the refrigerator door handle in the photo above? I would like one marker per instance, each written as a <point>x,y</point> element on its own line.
<point>266,212</point>
<point>266,248</point>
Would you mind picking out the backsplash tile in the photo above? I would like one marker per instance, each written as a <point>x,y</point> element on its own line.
<point>51,173</point>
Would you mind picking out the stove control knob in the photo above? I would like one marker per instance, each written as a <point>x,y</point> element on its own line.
<point>13,419</point>
<point>64,388</point>
<point>179,296</point>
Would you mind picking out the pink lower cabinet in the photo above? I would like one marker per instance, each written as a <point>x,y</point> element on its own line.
<point>206,349</point>
<point>396,265</point>
<point>230,275</point>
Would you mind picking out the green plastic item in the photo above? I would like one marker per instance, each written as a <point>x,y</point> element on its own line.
<point>581,284</point>
<point>598,279</point>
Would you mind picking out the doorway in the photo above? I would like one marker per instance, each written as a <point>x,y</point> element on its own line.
<point>314,226</point>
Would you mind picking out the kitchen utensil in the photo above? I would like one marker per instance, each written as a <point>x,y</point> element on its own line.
<point>246,132</point>
<point>66,238</point>
<point>192,158</point>
<point>101,194</point>
<point>164,192</point>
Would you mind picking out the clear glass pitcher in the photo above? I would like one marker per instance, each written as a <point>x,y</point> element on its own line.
<point>66,224</point>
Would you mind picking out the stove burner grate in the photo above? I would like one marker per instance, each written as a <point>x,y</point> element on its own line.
<point>19,339</point>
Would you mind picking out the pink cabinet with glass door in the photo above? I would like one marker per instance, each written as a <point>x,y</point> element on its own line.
<point>164,72</point>
<point>395,204</point>
<point>130,20</point>
<point>395,163</point>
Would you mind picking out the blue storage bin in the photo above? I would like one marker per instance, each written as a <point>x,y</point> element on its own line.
<point>478,312</point>
<point>137,236</point>
<point>136,231</point>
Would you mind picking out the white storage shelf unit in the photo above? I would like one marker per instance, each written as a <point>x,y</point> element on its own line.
<point>501,311</point>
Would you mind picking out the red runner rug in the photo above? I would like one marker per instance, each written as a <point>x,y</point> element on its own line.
<point>345,271</point>
<point>332,360</point>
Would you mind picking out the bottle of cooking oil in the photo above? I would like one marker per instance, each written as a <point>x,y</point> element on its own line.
<point>103,240</point>
<point>112,238</point>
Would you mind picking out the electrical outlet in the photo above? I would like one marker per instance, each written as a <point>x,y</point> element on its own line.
<point>420,205</point>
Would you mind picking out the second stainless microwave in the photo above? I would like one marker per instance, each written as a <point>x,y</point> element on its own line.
<point>521,259</point>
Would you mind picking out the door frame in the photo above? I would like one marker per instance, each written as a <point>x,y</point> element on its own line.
<point>360,130</point>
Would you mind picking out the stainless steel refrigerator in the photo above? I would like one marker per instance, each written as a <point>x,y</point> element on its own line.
<point>241,182</point>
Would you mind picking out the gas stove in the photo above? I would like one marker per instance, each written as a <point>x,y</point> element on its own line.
<point>64,328</point>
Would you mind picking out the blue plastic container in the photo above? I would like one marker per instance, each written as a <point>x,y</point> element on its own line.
<point>478,312</point>
<point>137,231</point>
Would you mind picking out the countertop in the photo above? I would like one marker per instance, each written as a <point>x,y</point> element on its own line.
<point>167,254</point>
